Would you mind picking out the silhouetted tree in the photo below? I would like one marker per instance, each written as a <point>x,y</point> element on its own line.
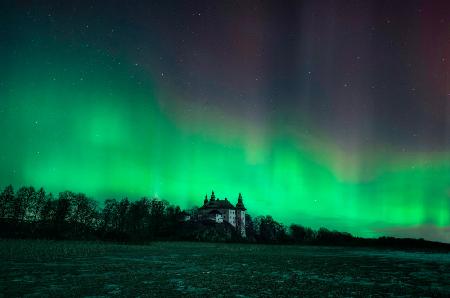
<point>63,206</point>
<point>48,210</point>
<point>6,201</point>
<point>171,221</point>
<point>38,204</point>
<point>122,211</point>
<point>299,234</point>
<point>325,236</point>
<point>137,218</point>
<point>249,228</point>
<point>156,216</point>
<point>268,230</point>
<point>108,214</point>
<point>83,212</point>
<point>22,202</point>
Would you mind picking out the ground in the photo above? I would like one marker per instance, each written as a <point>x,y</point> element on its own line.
<point>36,268</point>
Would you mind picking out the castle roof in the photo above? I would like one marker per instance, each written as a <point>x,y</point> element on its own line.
<point>218,204</point>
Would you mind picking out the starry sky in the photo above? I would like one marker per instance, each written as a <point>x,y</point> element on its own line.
<point>323,113</point>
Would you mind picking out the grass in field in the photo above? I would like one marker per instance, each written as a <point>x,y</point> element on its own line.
<point>48,268</point>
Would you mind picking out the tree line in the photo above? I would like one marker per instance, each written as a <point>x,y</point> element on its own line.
<point>35,213</point>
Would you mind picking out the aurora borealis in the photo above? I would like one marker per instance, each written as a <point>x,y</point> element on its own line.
<point>322,113</point>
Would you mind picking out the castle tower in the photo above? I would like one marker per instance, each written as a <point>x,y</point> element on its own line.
<point>206,200</point>
<point>213,196</point>
<point>240,215</point>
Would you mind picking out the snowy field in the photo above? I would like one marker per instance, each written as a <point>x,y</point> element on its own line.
<point>35,268</point>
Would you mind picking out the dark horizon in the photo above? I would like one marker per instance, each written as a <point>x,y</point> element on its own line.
<point>30,212</point>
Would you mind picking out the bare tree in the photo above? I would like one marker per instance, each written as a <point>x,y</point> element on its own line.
<point>22,202</point>
<point>6,201</point>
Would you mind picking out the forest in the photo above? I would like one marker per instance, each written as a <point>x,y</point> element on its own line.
<point>34,213</point>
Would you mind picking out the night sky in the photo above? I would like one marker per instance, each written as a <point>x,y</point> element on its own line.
<point>323,113</point>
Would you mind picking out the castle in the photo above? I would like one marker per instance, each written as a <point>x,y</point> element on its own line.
<point>222,210</point>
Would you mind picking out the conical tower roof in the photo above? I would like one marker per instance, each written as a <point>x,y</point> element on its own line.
<point>240,203</point>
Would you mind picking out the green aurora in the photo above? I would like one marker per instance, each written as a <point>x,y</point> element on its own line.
<point>104,125</point>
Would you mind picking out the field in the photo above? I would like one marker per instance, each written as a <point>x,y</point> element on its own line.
<point>44,268</point>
